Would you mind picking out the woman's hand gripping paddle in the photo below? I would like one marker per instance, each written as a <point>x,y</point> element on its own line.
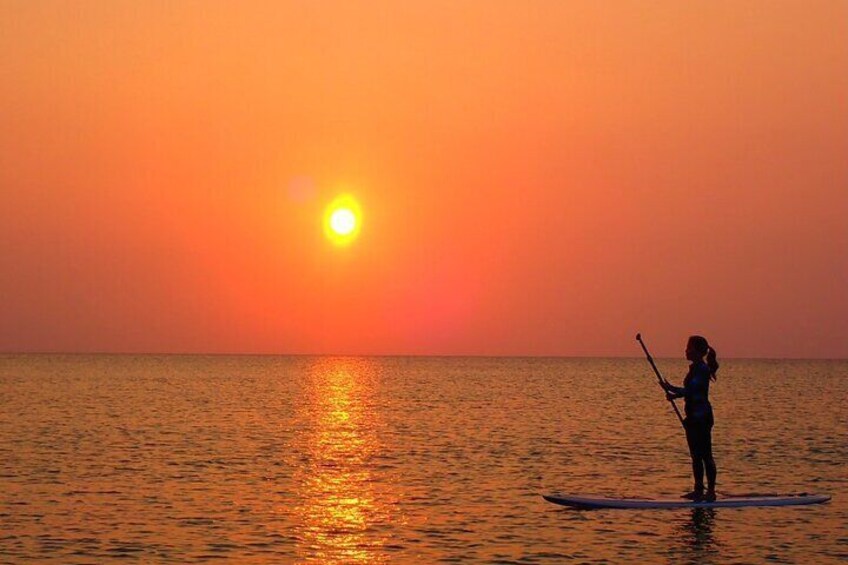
<point>660,379</point>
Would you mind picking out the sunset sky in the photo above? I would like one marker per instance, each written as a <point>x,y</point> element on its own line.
<point>534,177</point>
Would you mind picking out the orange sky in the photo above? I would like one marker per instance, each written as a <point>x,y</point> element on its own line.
<point>536,178</point>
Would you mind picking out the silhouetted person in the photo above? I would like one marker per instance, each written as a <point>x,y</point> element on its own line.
<point>699,414</point>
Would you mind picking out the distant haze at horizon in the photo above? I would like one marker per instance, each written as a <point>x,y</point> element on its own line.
<point>534,178</point>
<point>657,358</point>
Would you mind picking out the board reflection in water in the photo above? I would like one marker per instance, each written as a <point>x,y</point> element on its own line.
<point>697,535</point>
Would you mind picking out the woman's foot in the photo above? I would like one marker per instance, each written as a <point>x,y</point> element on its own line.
<point>695,495</point>
<point>709,496</point>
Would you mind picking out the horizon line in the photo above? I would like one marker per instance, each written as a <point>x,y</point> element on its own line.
<point>392,355</point>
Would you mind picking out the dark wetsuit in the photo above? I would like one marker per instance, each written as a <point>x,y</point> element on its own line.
<point>698,422</point>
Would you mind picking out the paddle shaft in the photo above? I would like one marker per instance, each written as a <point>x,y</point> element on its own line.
<point>660,378</point>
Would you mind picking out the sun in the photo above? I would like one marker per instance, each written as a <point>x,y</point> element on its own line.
<point>342,220</point>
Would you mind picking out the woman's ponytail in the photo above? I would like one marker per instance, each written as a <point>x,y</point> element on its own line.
<point>712,363</point>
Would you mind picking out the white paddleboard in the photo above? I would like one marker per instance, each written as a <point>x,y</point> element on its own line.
<point>726,502</point>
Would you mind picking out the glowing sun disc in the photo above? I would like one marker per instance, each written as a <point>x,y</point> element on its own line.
<point>342,220</point>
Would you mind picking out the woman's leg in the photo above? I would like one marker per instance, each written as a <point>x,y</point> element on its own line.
<point>695,440</point>
<point>709,462</point>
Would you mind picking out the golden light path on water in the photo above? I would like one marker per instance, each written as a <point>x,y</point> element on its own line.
<point>339,509</point>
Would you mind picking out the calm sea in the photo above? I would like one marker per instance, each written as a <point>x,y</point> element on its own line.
<point>172,459</point>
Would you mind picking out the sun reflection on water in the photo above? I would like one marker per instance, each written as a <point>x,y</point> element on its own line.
<point>340,513</point>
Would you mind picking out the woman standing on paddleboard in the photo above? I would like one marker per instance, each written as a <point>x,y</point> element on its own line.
<point>699,414</point>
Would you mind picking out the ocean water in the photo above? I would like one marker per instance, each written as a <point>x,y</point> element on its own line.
<point>189,459</point>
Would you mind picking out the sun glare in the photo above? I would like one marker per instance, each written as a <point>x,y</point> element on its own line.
<point>342,220</point>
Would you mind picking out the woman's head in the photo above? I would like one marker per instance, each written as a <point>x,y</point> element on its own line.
<point>697,348</point>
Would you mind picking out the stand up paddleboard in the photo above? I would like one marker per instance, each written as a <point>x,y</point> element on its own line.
<point>728,502</point>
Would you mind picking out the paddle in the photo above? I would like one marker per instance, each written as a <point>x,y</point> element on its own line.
<point>660,378</point>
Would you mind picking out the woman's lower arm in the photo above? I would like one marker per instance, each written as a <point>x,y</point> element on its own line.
<point>677,391</point>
